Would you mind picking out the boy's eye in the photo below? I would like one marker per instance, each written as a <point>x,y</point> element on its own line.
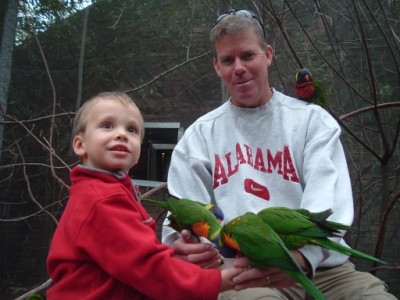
<point>107,126</point>
<point>132,129</point>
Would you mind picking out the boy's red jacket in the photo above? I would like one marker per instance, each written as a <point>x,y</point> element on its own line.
<point>105,247</point>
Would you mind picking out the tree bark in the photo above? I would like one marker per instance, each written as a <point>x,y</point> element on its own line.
<point>80,76</point>
<point>9,24</point>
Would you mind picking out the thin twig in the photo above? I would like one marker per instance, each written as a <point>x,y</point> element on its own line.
<point>168,71</point>
<point>369,108</point>
<point>43,286</point>
<point>38,119</point>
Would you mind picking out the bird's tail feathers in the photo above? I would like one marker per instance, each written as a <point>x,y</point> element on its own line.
<point>162,204</point>
<point>307,284</point>
<point>321,217</point>
<point>328,244</point>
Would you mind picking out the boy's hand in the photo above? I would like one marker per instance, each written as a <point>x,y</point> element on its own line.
<point>227,276</point>
<point>191,250</point>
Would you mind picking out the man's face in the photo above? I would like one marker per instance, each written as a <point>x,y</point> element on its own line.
<point>243,67</point>
<point>112,138</point>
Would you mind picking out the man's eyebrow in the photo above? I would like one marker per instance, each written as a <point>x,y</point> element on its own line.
<point>249,51</point>
<point>224,56</point>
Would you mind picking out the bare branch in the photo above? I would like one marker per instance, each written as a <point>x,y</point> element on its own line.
<point>43,286</point>
<point>365,109</point>
<point>28,183</point>
<point>42,144</point>
<point>38,119</point>
<point>168,71</point>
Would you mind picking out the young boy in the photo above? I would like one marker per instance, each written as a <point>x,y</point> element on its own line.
<point>105,246</point>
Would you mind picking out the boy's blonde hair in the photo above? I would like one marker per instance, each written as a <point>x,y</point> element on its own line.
<point>81,117</point>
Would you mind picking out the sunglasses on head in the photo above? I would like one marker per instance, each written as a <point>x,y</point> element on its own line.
<point>241,13</point>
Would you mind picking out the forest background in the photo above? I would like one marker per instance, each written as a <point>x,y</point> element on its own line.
<point>56,54</point>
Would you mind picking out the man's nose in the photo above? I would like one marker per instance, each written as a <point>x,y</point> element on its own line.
<point>239,66</point>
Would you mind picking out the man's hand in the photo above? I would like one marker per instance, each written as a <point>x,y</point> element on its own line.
<point>267,277</point>
<point>189,248</point>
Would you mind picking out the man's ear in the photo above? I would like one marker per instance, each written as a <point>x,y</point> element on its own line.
<point>79,147</point>
<point>269,53</point>
<point>216,67</point>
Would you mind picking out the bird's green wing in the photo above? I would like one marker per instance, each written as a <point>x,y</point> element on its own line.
<point>319,96</point>
<point>287,221</point>
<point>191,214</point>
<point>322,217</point>
<point>284,220</point>
<point>319,217</point>
<point>250,235</point>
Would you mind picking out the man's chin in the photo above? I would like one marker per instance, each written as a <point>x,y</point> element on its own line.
<point>245,102</point>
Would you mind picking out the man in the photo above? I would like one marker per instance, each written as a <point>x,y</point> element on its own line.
<point>261,149</point>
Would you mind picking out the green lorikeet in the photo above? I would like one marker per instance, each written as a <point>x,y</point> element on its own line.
<point>321,217</point>
<point>309,89</point>
<point>35,297</point>
<point>300,227</point>
<point>201,219</point>
<point>250,235</point>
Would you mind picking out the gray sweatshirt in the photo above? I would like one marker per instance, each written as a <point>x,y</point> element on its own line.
<point>284,153</point>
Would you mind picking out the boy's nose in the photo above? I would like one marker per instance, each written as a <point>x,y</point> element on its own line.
<point>121,134</point>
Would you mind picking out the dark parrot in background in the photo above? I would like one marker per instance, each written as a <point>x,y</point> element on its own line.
<point>253,238</point>
<point>309,89</point>
<point>300,227</point>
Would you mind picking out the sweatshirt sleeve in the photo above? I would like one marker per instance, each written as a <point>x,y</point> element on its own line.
<point>326,180</point>
<point>115,237</point>
<point>188,177</point>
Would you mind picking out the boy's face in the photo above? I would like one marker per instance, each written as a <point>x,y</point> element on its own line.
<point>112,138</point>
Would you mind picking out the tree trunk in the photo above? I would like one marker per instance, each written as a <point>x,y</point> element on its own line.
<point>6,51</point>
<point>81,60</point>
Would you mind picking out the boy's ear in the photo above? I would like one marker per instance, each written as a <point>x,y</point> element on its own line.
<point>79,148</point>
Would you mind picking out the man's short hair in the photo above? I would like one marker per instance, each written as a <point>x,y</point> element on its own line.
<point>232,24</point>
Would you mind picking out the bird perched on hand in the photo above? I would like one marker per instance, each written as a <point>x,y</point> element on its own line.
<point>250,235</point>
<point>309,89</point>
<point>300,227</point>
<point>199,218</point>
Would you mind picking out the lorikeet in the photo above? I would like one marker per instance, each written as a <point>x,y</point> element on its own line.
<point>201,219</point>
<point>35,297</point>
<point>300,227</point>
<point>250,235</point>
<point>309,89</point>
<point>322,217</point>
